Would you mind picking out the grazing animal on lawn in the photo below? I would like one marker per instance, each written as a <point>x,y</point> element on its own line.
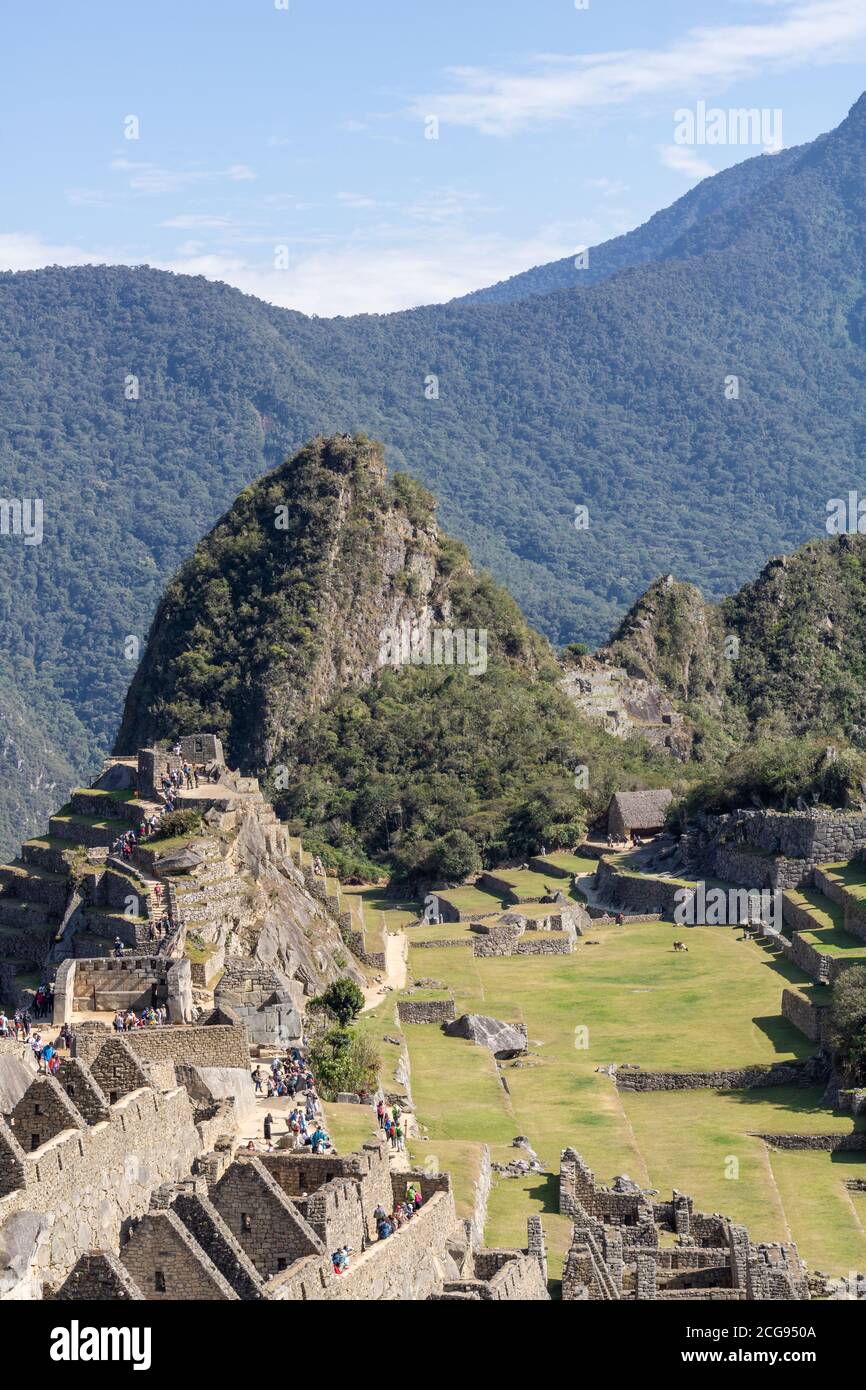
<point>680,946</point>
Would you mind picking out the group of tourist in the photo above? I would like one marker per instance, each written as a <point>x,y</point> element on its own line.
<point>20,1028</point>
<point>178,777</point>
<point>290,1078</point>
<point>287,1076</point>
<point>125,1020</point>
<point>389,1222</point>
<point>159,927</point>
<point>125,844</point>
<point>171,782</point>
<point>391,1127</point>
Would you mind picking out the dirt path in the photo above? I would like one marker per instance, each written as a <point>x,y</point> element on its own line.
<point>396,956</point>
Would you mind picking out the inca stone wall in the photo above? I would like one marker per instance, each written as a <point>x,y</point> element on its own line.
<point>637,893</point>
<point>740,1078</point>
<point>85,1184</point>
<point>165,1262</point>
<point>426,1010</point>
<point>792,844</point>
<point>828,1143</point>
<point>268,1227</point>
<point>210,1045</point>
<point>810,1020</point>
<point>98,1278</point>
<point>754,869</point>
<point>410,1264</point>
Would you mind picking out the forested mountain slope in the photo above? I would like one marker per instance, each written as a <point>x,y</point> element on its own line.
<point>613,399</point>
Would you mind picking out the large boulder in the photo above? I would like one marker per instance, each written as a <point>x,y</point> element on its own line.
<point>17,1070</point>
<point>180,861</point>
<point>504,1039</point>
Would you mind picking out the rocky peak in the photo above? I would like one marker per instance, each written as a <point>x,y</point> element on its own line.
<point>308,584</point>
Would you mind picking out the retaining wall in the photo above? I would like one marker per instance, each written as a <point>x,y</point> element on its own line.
<point>809,1019</point>
<point>737,1079</point>
<point>426,1010</point>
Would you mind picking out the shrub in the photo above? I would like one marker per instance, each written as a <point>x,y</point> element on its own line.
<point>177,824</point>
<point>343,1060</point>
<point>342,1000</point>
<point>453,857</point>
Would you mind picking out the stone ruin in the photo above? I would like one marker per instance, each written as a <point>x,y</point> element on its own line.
<point>105,984</point>
<point>621,1247</point>
<point>260,999</point>
<point>120,1180</point>
<point>204,751</point>
<point>263,1227</point>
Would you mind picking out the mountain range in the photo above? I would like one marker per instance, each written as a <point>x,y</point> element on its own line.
<point>699,392</point>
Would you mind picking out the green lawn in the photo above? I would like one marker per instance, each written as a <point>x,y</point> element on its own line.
<point>828,934</point>
<point>472,900</point>
<point>381,912</point>
<point>716,1006</point>
<point>446,931</point>
<point>461,1160</point>
<point>851,876</point>
<point>528,884</point>
<point>349,1126</point>
<point>574,863</point>
<point>829,1228</point>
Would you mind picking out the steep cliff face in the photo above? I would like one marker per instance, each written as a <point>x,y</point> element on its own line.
<point>302,589</point>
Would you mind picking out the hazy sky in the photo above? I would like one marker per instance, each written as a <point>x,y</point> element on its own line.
<point>283,144</point>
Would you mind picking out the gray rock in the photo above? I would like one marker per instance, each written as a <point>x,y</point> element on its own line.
<point>175,863</point>
<point>118,777</point>
<point>16,1074</point>
<point>504,1039</point>
<point>18,1246</point>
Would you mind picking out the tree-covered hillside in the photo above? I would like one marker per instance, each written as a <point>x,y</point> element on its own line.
<point>137,405</point>
<point>653,241</point>
<point>278,635</point>
<point>773,678</point>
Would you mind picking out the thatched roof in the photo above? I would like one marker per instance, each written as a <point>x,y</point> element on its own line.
<point>642,810</point>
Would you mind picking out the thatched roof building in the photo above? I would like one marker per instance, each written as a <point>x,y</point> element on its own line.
<point>643,811</point>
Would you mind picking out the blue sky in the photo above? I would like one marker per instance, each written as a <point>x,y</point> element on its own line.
<point>284,149</point>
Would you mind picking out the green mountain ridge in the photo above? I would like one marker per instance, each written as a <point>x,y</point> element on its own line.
<point>612,398</point>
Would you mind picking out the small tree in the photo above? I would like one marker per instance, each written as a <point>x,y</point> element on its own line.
<point>848,1021</point>
<point>342,999</point>
<point>453,857</point>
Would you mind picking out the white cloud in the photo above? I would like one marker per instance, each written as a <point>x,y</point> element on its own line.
<point>356,200</point>
<point>376,275</point>
<point>153,178</point>
<point>194,221</point>
<point>28,251</point>
<point>685,160</point>
<point>559,87</point>
<point>611,188</point>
